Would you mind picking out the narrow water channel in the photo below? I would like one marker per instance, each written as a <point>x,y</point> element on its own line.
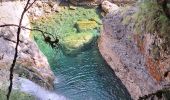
<point>84,75</point>
<point>88,77</point>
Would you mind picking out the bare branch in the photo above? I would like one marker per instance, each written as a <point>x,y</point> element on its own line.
<point>16,49</point>
<point>45,35</point>
<point>34,29</point>
<point>30,5</point>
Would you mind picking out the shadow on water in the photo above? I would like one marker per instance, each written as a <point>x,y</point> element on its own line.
<point>84,75</point>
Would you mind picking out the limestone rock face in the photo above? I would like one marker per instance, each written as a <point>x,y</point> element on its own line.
<point>118,47</point>
<point>31,63</point>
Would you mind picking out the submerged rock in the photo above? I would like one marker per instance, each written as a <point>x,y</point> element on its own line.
<point>75,42</point>
<point>72,43</point>
<point>31,63</point>
<point>86,25</point>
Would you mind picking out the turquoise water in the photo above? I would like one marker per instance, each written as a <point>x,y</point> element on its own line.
<point>84,75</point>
<point>88,77</point>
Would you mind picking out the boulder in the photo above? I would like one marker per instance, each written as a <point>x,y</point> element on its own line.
<point>109,7</point>
<point>75,42</point>
<point>31,63</point>
<point>85,25</point>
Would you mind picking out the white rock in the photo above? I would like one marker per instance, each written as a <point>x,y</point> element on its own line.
<point>109,7</point>
<point>56,8</point>
<point>39,3</point>
<point>30,59</point>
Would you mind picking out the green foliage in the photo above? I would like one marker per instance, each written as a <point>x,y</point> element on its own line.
<point>16,95</point>
<point>152,19</point>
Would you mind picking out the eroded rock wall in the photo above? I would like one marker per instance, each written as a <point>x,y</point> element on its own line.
<point>31,63</point>
<point>128,57</point>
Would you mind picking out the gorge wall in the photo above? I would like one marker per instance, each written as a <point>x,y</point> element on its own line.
<point>129,54</point>
<point>31,63</point>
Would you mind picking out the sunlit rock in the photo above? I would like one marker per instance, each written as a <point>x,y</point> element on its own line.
<point>118,47</point>
<point>72,7</point>
<point>109,7</point>
<point>85,25</point>
<point>31,63</point>
<point>76,41</point>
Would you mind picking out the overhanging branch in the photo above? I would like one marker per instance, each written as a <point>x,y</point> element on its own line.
<point>27,6</point>
<point>53,43</point>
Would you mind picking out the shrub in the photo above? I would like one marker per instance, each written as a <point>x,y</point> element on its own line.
<point>152,19</point>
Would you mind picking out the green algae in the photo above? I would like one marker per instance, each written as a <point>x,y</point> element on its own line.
<point>85,75</point>
<point>86,25</point>
<point>71,27</point>
<point>76,41</point>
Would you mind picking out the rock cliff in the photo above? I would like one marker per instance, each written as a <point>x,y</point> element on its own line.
<point>128,55</point>
<point>31,63</point>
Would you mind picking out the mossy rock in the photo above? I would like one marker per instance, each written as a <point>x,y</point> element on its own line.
<point>16,95</point>
<point>75,42</point>
<point>85,25</point>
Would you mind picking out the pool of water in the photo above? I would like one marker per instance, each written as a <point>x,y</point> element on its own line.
<point>85,75</point>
